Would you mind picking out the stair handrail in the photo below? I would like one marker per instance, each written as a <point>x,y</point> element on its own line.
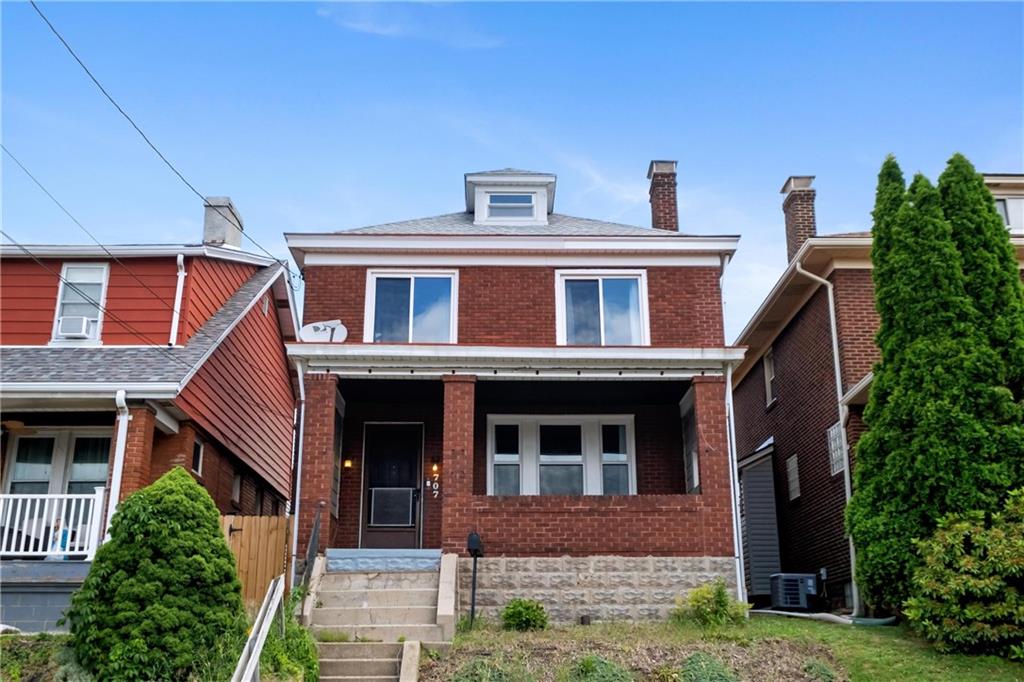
<point>311,550</point>
<point>248,667</point>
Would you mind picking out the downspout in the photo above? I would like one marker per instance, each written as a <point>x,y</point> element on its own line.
<point>301,371</point>
<point>847,482</point>
<point>741,578</point>
<point>178,290</point>
<point>119,447</point>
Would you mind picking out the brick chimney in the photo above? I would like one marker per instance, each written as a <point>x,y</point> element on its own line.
<point>664,209</point>
<point>222,225</point>
<point>799,209</point>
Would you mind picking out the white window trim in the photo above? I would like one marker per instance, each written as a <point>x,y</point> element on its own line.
<point>98,341</point>
<point>202,455</point>
<point>768,361</point>
<point>371,298</point>
<point>561,332</point>
<point>63,451</point>
<point>511,220</point>
<point>793,477</point>
<point>529,448</point>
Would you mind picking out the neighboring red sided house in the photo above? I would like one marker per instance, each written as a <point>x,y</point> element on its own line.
<point>800,394</point>
<point>118,363</point>
<point>556,384</point>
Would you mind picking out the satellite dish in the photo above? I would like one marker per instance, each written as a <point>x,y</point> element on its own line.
<point>332,331</point>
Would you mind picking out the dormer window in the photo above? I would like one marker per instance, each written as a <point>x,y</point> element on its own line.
<point>515,206</point>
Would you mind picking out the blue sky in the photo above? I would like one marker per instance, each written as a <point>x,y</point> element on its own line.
<point>330,116</point>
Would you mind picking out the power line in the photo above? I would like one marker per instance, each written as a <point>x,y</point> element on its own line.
<point>91,235</point>
<point>143,135</point>
<point>135,332</point>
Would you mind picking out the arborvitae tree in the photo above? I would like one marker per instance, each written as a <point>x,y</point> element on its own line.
<point>163,592</point>
<point>991,272</point>
<point>933,441</point>
<point>888,199</point>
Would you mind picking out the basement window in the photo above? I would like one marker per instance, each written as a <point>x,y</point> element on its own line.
<point>515,206</point>
<point>411,307</point>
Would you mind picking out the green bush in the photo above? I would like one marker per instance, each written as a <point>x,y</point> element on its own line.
<point>295,654</point>
<point>710,606</point>
<point>162,591</point>
<point>702,667</point>
<point>968,595</point>
<point>523,615</point>
<point>596,669</point>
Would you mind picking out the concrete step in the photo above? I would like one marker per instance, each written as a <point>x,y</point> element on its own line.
<point>379,581</point>
<point>339,650</point>
<point>377,615</point>
<point>363,560</point>
<point>383,633</point>
<point>425,596</point>
<point>365,667</point>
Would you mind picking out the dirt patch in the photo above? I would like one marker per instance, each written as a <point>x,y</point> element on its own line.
<point>541,656</point>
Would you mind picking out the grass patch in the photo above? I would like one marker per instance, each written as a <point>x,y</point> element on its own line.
<point>35,658</point>
<point>766,648</point>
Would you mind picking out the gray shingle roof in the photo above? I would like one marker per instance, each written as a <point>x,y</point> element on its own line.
<point>105,364</point>
<point>558,225</point>
<point>509,171</point>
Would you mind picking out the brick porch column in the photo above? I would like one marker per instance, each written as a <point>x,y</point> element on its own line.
<point>317,459</point>
<point>712,436</point>
<point>457,458</point>
<point>138,451</point>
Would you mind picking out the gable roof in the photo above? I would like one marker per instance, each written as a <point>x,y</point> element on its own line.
<point>167,369</point>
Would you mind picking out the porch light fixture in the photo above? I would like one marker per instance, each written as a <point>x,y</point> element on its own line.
<point>433,467</point>
<point>347,464</point>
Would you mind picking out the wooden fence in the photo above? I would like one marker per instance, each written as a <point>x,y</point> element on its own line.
<point>260,545</point>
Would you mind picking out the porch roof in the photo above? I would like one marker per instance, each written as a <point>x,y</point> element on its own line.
<point>432,361</point>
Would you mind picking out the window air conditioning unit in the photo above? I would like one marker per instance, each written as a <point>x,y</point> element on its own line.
<point>73,327</point>
<point>793,590</point>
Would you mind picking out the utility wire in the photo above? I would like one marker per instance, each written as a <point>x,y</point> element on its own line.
<point>91,235</point>
<point>143,135</point>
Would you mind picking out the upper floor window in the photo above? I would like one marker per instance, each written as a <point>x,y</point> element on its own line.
<point>411,307</point>
<point>80,302</point>
<point>516,206</point>
<point>769,376</point>
<point>601,308</point>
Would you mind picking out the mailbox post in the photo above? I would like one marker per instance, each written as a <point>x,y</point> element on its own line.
<point>475,547</point>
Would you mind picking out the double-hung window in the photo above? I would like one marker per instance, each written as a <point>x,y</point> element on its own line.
<point>769,376</point>
<point>411,306</point>
<point>601,308</point>
<point>560,455</point>
<point>80,302</point>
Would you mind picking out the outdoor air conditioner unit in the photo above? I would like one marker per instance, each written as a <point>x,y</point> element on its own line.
<point>793,590</point>
<point>73,327</point>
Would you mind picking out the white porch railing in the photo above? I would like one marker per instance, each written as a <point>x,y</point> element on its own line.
<point>51,526</point>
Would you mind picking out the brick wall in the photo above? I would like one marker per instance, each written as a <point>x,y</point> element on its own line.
<point>515,306</point>
<point>857,322</point>
<point>138,450</point>
<point>811,532</point>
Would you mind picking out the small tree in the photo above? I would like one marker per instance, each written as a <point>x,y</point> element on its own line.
<point>936,417</point>
<point>162,591</point>
<point>888,199</point>
<point>991,272</point>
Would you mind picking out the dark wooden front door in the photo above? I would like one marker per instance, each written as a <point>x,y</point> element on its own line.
<point>391,496</point>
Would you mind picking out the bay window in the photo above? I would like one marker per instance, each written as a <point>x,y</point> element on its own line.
<point>601,308</point>
<point>560,455</point>
<point>411,306</point>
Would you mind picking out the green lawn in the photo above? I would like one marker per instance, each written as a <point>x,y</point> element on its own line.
<point>767,648</point>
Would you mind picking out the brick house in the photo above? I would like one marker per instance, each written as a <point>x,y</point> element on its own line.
<point>800,393</point>
<point>556,384</point>
<point>118,363</point>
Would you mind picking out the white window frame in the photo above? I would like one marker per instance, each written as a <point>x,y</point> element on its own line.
<point>371,299</point>
<point>98,340</point>
<point>63,454</point>
<point>793,477</point>
<point>202,455</point>
<point>562,276</point>
<point>836,455</point>
<point>529,448</point>
<point>691,443</point>
<point>768,363</point>
<point>504,220</point>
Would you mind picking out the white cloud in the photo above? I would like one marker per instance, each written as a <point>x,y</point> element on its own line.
<point>442,24</point>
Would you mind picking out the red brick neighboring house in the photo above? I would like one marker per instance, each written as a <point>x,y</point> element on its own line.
<point>801,390</point>
<point>118,363</point>
<point>557,384</point>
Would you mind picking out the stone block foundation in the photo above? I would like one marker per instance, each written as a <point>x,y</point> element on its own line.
<point>602,587</point>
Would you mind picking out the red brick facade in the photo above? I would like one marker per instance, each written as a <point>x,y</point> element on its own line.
<point>857,321</point>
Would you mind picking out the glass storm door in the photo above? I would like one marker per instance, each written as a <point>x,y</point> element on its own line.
<point>391,498</point>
